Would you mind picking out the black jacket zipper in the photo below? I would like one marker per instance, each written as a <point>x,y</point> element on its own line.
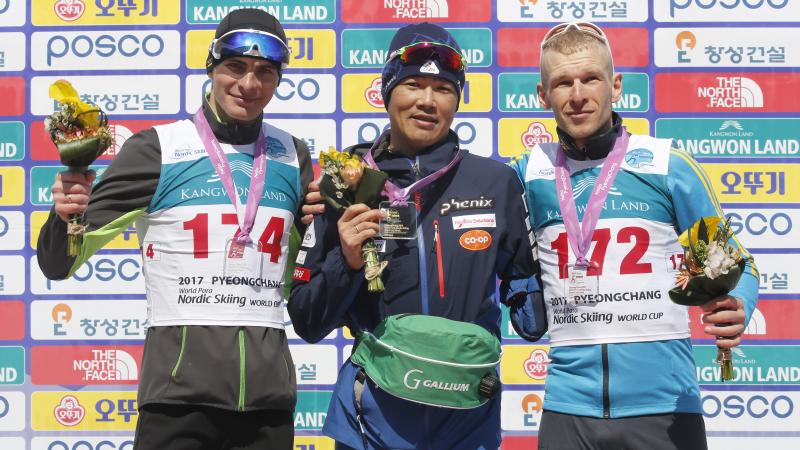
<point>606,400</point>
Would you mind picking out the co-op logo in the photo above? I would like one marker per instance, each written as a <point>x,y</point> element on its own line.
<point>88,445</point>
<point>756,406</point>
<point>370,131</point>
<point>103,45</point>
<point>730,4</point>
<point>756,223</point>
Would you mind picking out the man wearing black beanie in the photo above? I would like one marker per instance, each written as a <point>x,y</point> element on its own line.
<point>463,226</point>
<point>216,371</point>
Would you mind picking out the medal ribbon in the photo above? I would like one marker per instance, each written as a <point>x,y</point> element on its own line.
<point>398,195</point>
<point>223,169</point>
<point>569,213</point>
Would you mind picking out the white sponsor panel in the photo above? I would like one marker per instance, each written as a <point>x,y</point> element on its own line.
<point>287,326</point>
<point>12,275</point>
<point>12,443</point>
<point>765,228</point>
<point>521,410</point>
<point>746,411</point>
<point>12,230</point>
<point>752,442</point>
<point>100,274</point>
<point>12,411</point>
<point>106,50</point>
<point>297,94</point>
<point>318,134</point>
<point>725,10</point>
<point>727,47</point>
<point>594,11</point>
<point>12,50</point>
<point>88,319</point>
<point>474,134</point>
<point>82,443</point>
<point>346,352</point>
<point>115,94</point>
<point>315,364</point>
<point>779,274</point>
<point>12,13</point>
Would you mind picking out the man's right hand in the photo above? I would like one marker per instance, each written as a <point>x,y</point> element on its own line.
<point>71,192</point>
<point>313,204</point>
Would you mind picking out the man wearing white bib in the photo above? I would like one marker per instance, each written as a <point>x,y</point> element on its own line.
<point>607,208</point>
<point>214,198</point>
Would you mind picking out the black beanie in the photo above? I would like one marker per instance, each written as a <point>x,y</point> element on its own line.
<point>395,71</point>
<point>246,19</point>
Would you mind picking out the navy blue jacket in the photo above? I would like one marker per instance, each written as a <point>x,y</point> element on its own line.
<point>478,208</point>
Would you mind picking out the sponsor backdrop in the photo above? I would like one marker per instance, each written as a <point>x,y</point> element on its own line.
<point>720,77</point>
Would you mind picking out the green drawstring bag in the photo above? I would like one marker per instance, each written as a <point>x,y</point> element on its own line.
<point>431,360</point>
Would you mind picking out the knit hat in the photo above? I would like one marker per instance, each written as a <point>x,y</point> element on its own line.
<point>395,70</point>
<point>247,19</point>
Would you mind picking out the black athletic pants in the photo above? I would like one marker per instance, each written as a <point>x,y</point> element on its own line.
<point>188,427</point>
<point>657,432</point>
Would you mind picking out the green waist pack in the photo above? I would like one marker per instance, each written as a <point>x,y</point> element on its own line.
<point>431,360</point>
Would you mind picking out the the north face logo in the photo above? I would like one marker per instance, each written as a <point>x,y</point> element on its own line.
<point>429,67</point>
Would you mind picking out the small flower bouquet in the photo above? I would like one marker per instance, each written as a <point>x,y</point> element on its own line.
<point>80,132</point>
<point>347,181</point>
<point>711,268</point>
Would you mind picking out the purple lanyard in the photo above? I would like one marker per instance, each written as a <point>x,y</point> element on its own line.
<point>220,163</point>
<point>597,198</point>
<point>397,195</point>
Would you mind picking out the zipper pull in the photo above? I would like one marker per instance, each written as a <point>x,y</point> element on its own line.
<point>435,235</point>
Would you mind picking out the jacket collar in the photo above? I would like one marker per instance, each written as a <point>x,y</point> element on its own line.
<point>403,170</point>
<point>235,132</point>
<point>597,146</point>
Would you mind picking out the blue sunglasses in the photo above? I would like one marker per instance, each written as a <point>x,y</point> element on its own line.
<point>251,43</point>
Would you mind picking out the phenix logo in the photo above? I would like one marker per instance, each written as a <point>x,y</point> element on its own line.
<point>733,92</point>
<point>418,9</point>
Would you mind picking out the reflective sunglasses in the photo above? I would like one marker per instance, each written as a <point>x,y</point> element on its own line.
<point>251,43</point>
<point>421,52</point>
<point>584,27</point>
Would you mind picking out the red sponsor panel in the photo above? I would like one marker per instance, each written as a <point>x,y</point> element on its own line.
<point>519,443</point>
<point>727,92</point>
<point>380,11</point>
<point>42,148</point>
<point>772,319</point>
<point>12,320</point>
<point>519,47</point>
<point>83,365</point>
<point>12,93</point>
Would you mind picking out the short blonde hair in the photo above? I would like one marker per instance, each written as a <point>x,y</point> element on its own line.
<point>572,41</point>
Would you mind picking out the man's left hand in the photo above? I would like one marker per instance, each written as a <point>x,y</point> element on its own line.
<point>724,317</point>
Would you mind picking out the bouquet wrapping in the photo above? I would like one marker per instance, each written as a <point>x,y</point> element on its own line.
<point>347,181</point>
<point>711,268</point>
<point>80,133</point>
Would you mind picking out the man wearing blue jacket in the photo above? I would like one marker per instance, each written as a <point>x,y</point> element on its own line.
<point>471,227</point>
<point>621,350</point>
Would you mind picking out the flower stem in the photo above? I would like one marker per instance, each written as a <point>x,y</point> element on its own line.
<point>372,266</point>
<point>725,361</point>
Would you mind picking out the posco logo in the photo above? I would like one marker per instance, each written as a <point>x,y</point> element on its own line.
<point>755,406</point>
<point>306,88</point>
<point>104,45</point>
<point>757,223</point>
<point>730,4</point>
